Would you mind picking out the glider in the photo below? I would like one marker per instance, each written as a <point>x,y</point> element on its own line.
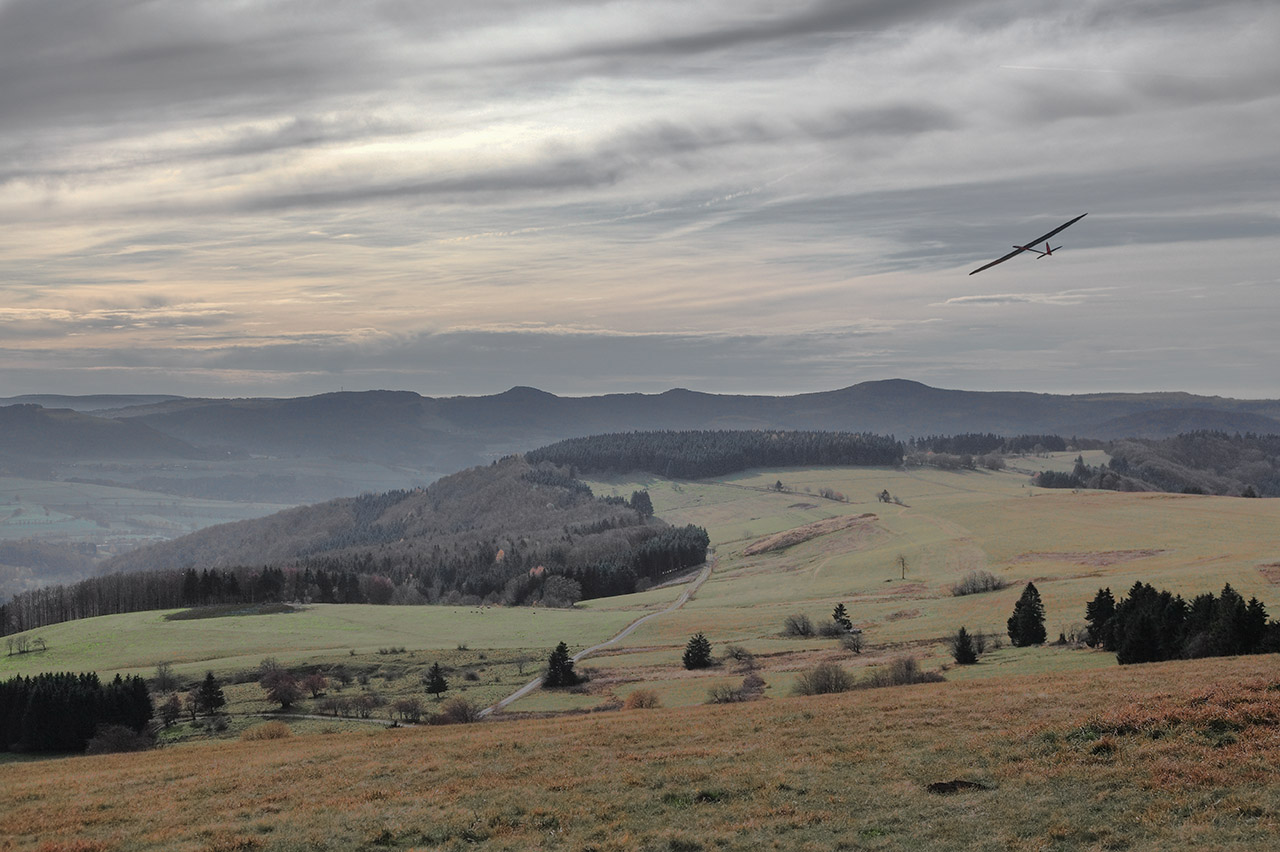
<point>1017,250</point>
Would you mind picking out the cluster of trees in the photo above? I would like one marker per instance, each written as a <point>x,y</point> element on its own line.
<point>700,454</point>
<point>510,533</point>
<point>63,712</point>
<point>980,444</point>
<point>1150,625</point>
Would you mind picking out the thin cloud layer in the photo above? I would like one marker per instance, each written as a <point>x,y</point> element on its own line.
<point>613,196</point>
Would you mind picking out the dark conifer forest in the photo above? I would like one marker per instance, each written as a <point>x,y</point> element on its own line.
<point>700,454</point>
<point>62,712</point>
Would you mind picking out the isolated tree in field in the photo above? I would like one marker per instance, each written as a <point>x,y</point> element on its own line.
<point>902,565</point>
<point>962,648</point>
<point>282,687</point>
<point>697,653</point>
<point>1026,625</point>
<point>840,616</point>
<point>436,684</point>
<point>560,668</point>
<point>208,696</point>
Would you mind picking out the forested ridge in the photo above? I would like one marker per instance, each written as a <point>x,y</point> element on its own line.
<point>701,453</point>
<point>507,533</point>
<point>1203,462</point>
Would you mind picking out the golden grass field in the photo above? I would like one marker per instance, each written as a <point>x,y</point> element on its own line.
<point>1077,752</point>
<point>1172,755</point>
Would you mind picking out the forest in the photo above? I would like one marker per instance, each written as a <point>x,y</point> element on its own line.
<point>509,533</point>
<point>63,712</point>
<point>699,454</point>
<point>1203,462</point>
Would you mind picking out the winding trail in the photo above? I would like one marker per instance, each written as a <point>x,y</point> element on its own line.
<point>689,591</point>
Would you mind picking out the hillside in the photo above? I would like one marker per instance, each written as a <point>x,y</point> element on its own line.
<point>1166,756</point>
<point>31,432</point>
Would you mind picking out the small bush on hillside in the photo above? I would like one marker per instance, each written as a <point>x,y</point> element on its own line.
<point>274,730</point>
<point>114,739</point>
<point>725,694</point>
<point>740,655</point>
<point>977,582</point>
<point>831,630</point>
<point>901,671</point>
<point>753,686</point>
<point>852,642</point>
<point>797,625</point>
<point>823,679</point>
<point>456,711</point>
<point>642,699</point>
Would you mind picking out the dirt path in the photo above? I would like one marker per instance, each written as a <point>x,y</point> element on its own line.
<point>688,592</point>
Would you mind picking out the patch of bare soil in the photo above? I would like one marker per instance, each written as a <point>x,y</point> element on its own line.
<point>1091,558</point>
<point>790,538</point>
<point>803,506</point>
<point>1270,572</point>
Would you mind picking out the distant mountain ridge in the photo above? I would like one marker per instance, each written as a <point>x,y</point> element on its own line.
<point>452,433</point>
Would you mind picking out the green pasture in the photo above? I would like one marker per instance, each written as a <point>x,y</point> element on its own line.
<point>134,643</point>
<point>946,525</point>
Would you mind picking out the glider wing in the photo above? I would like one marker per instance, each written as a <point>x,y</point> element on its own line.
<point>1017,250</point>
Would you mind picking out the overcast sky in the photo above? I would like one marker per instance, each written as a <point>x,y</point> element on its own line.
<point>286,198</point>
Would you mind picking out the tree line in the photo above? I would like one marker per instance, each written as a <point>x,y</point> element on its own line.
<point>63,712</point>
<point>981,443</point>
<point>1150,626</point>
<point>702,453</point>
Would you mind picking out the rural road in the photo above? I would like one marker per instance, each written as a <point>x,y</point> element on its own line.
<point>688,592</point>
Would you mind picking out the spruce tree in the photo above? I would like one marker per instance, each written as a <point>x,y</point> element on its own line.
<point>560,668</point>
<point>1098,613</point>
<point>209,697</point>
<point>697,654</point>
<point>841,616</point>
<point>962,648</point>
<point>436,684</point>
<point>1026,625</point>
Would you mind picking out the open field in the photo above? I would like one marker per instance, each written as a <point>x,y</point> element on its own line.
<point>949,523</point>
<point>1174,755</point>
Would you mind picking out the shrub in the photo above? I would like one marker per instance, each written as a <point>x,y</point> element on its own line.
<point>642,699</point>
<point>901,671</point>
<point>797,625</point>
<point>725,694</point>
<point>741,655</point>
<point>977,582</point>
<point>753,686</point>
<point>274,730</point>
<point>114,739</point>
<point>830,630</point>
<point>852,642</point>
<point>823,679</point>
<point>456,711</point>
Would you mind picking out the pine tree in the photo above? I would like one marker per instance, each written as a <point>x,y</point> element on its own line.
<point>1098,614</point>
<point>962,648</point>
<point>697,654</point>
<point>560,668</point>
<point>841,616</point>
<point>209,697</point>
<point>436,684</point>
<point>1026,625</point>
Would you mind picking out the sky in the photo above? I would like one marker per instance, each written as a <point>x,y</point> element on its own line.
<point>287,198</point>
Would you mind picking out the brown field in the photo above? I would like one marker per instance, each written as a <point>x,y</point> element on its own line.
<point>1177,755</point>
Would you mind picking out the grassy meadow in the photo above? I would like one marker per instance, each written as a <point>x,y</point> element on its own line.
<point>1071,750</point>
<point>1171,755</point>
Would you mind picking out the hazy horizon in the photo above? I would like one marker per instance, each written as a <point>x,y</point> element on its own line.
<point>283,200</point>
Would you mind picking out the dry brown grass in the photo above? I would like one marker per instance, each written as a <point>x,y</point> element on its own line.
<point>1174,755</point>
